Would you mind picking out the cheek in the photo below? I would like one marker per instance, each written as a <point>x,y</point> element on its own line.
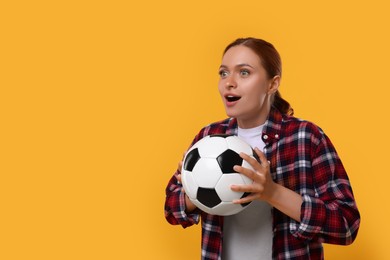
<point>261,89</point>
<point>257,96</point>
<point>220,88</point>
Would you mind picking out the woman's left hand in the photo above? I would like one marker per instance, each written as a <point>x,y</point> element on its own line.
<point>262,186</point>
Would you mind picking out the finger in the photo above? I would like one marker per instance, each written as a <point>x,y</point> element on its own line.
<point>251,197</point>
<point>178,177</point>
<point>263,159</point>
<point>251,160</point>
<point>180,165</point>
<point>245,171</point>
<point>245,188</point>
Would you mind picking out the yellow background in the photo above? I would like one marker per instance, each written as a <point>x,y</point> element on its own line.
<point>99,100</point>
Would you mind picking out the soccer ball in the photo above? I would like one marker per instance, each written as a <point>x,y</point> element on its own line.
<point>207,173</point>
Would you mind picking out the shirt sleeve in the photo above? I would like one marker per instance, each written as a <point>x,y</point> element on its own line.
<point>175,205</point>
<point>329,214</point>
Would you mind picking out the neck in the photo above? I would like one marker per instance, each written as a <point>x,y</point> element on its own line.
<point>256,120</point>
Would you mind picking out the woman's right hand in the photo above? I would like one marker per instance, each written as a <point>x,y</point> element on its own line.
<point>189,205</point>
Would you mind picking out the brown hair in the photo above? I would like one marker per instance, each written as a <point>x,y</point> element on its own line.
<point>271,62</point>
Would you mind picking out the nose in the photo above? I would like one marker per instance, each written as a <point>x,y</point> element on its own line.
<point>231,83</point>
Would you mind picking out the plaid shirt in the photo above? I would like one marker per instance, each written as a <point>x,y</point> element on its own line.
<point>302,159</point>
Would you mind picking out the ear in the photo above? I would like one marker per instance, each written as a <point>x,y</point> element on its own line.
<point>274,85</point>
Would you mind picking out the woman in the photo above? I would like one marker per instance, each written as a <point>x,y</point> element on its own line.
<point>301,193</point>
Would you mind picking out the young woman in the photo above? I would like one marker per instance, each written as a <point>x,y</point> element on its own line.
<point>301,193</point>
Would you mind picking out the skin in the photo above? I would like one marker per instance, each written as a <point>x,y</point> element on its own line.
<point>242,76</point>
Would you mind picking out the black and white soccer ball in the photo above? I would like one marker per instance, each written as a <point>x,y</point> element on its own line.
<point>207,173</point>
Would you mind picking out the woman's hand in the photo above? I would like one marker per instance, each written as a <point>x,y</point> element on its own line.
<point>264,188</point>
<point>189,205</point>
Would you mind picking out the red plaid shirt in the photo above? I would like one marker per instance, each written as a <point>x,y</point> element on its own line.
<point>302,159</point>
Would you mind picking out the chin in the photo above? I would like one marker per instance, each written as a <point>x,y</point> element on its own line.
<point>232,114</point>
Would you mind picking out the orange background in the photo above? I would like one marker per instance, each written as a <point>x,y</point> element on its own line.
<point>99,100</point>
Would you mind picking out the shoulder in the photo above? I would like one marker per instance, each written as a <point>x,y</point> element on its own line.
<point>290,125</point>
<point>300,128</point>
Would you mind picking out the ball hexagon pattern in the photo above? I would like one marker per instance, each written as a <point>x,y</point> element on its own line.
<point>208,173</point>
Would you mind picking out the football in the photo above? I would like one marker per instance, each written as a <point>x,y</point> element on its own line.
<point>207,173</point>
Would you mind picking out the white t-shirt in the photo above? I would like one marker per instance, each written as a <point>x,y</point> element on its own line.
<point>248,234</point>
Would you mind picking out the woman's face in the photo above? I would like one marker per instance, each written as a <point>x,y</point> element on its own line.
<point>245,87</point>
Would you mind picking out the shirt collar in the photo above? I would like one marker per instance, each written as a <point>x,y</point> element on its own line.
<point>271,130</point>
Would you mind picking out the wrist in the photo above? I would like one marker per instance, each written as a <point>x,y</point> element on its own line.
<point>189,205</point>
<point>273,193</point>
<point>285,200</point>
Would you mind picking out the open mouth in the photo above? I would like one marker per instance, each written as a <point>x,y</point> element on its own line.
<point>232,98</point>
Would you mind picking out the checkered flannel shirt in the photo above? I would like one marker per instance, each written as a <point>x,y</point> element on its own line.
<point>304,160</point>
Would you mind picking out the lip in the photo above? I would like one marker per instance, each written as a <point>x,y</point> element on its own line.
<point>231,99</point>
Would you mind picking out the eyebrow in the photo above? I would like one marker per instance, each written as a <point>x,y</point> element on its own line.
<point>237,66</point>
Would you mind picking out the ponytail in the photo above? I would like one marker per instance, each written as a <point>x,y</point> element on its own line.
<point>282,105</point>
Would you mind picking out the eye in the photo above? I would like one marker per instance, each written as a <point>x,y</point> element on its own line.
<point>244,72</point>
<point>223,73</point>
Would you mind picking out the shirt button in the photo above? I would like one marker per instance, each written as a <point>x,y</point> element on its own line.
<point>265,137</point>
<point>276,136</point>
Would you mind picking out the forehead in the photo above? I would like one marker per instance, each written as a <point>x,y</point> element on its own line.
<point>240,55</point>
